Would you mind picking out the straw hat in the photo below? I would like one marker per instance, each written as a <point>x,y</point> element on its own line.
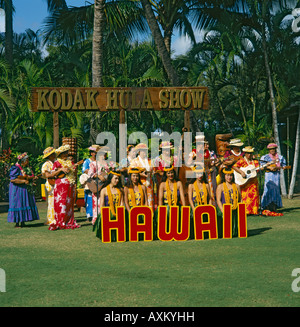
<point>141,146</point>
<point>63,148</point>
<point>103,149</point>
<point>272,146</point>
<point>248,149</point>
<point>94,147</point>
<point>166,145</point>
<point>48,151</point>
<point>235,142</point>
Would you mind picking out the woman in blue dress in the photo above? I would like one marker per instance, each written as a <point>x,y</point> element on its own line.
<point>22,206</point>
<point>88,198</point>
<point>271,198</point>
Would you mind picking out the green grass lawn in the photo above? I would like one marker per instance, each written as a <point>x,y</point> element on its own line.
<point>73,267</point>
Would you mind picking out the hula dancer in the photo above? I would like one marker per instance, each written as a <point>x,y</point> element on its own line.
<point>198,194</point>
<point>228,193</point>
<point>111,196</point>
<point>135,193</point>
<point>171,189</point>
<point>198,190</point>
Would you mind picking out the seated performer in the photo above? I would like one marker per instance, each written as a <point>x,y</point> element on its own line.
<point>198,190</point>
<point>250,190</point>
<point>135,193</point>
<point>111,196</point>
<point>271,198</point>
<point>171,189</point>
<point>228,193</point>
<point>198,194</point>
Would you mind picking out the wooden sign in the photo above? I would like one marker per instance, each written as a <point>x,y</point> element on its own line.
<point>122,99</point>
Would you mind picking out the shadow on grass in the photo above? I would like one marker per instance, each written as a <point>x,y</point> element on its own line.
<point>287,210</point>
<point>258,231</point>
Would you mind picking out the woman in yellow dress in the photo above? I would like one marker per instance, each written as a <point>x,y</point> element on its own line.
<point>198,194</point>
<point>198,190</point>
<point>112,196</point>
<point>228,193</point>
<point>135,193</point>
<point>171,189</point>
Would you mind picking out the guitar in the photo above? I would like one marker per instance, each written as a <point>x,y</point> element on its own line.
<point>250,172</point>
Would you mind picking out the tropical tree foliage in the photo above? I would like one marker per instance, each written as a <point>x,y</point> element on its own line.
<point>249,59</point>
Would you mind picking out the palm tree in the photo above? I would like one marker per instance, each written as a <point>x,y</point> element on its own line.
<point>7,5</point>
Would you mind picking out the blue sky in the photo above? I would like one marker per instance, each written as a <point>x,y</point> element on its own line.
<point>31,13</point>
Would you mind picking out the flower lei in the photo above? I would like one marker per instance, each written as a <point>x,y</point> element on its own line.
<point>132,195</point>
<point>111,201</point>
<point>227,196</point>
<point>169,195</point>
<point>68,164</point>
<point>198,194</point>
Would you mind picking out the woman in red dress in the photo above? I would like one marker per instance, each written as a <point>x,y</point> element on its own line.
<point>250,190</point>
<point>64,191</point>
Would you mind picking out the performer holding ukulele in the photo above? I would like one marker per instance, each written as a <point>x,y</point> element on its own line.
<point>271,199</point>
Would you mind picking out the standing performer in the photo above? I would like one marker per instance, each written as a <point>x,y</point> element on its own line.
<point>50,175</point>
<point>228,193</point>
<point>250,190</point>
<point>112,196</point>
<point>99,170</point>
<point>64,191</point>
<point>233,155</point>
<point>22,206</point>
<point>125,163</point>
<point>135,193</point>
<point>271,198</point>
<point>88,198</point>
<point>165,159</point>
<point>145,166</point>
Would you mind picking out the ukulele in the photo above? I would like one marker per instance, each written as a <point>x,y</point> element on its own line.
<point>28,178</point>
<point>278,168</point>
<point>62,174</point>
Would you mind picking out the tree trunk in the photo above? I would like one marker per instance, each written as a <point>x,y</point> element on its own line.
<point>296,159</point>
<point>273,106</point>
<point>8,31</point>
<point>97,65</point>
<point>167,40</point>
<point>160,44</point>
